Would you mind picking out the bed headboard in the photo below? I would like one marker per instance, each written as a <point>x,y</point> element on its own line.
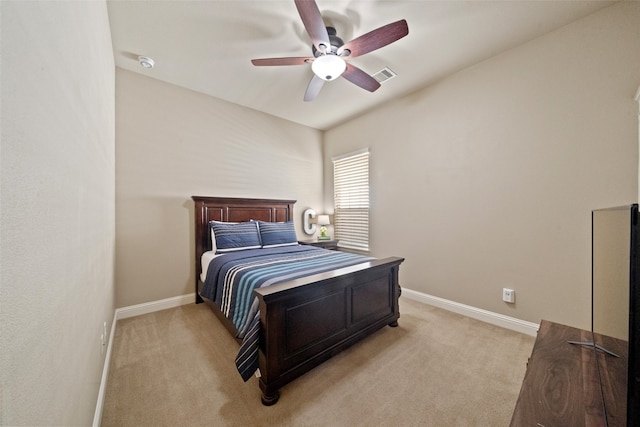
<point>231,209</point>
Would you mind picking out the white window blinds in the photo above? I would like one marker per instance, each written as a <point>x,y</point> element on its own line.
<point>351,200</point>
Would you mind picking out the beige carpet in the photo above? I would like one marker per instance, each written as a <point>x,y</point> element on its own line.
<point>175,368</point>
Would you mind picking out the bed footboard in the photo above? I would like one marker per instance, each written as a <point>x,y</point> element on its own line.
<point>309,320</point>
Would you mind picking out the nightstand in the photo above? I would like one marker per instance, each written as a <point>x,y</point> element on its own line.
<point>325,244</point>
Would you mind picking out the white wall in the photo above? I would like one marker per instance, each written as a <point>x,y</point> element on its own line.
<point>173,143</point>
<point>58,214</point>
<point>487,179</point>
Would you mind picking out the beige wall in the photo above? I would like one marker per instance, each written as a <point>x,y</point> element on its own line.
<point>58,214</point>
<point>173,143</point>
<point>487,179</point>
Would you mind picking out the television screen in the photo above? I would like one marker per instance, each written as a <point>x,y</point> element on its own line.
<point>611,266</point>
<point>615,305</point>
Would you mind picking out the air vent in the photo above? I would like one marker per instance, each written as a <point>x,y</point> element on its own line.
<point>384,75</point>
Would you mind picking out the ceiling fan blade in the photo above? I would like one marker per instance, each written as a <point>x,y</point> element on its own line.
<point>313,23</point>
<point>281,61</point>
<point>313,89</point>
<point>359,78</point>
<point>376,39</point>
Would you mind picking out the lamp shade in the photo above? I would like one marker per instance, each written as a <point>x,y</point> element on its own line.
<point>328,67</point>
<point>323,220</point>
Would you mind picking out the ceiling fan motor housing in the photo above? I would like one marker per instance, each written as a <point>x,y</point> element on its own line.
<point>335,42</point>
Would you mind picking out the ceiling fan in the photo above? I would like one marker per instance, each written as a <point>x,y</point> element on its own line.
<point>329,51</point>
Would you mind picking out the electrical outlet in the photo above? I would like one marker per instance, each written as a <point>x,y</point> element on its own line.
<point>508,295</point>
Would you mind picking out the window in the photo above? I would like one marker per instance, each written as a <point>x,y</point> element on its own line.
<point>351,200</point>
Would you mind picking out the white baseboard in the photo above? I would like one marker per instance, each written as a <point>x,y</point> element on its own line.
<point>123,313</point>
<point>97,416</point>
<point>150,307</point>
<point>497,319</point>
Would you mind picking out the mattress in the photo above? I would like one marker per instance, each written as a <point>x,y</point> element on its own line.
<point>206,258</point>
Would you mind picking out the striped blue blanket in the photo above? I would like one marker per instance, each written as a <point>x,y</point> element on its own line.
<point>232,277</point>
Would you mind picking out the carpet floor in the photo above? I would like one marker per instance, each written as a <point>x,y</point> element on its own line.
<point>176,368</point>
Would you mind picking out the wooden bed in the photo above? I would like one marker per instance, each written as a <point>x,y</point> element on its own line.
<point>304,321</point>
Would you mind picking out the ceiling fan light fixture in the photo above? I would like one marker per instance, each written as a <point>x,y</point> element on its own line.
<point>328,67</point>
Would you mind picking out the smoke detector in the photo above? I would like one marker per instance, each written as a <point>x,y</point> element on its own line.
<point>146,62</point>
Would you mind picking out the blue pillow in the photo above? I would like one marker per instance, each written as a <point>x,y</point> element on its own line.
<point>235,237</point>
<point>273,234</point>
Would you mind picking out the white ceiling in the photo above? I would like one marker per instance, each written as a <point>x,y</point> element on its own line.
<point>206,46</point>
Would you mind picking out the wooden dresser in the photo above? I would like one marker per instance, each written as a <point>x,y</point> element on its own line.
<point>561,385</point>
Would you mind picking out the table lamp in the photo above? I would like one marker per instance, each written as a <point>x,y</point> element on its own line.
<point>323,221</point>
